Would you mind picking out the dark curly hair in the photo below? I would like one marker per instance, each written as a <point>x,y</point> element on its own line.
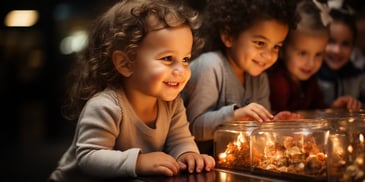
<point>239,15</point>
<point>342,16</point>
<point>122,27</point>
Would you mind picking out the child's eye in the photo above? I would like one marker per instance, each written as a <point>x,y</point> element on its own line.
<point>347,44</point>
<point>260,43</point>
<point>320,55</point>
<point>167,59</point>
<point>302,53</point>
<point>187,60</point>
<point>277,47</point>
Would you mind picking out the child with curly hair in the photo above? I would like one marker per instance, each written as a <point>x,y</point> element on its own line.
<point>125,95</point>
<point>228,81</point>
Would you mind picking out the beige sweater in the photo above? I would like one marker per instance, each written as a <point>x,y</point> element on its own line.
<point>109,136</point>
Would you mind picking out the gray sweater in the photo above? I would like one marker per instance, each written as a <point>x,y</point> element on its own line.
<point>109,136</point>
<point>348,81</point>
<point>213,91</point>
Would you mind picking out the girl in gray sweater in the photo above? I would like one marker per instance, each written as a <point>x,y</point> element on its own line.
<point>228,80</point>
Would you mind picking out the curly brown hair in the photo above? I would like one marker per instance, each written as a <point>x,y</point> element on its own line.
<point>122,27</point>
<point>239,15</point>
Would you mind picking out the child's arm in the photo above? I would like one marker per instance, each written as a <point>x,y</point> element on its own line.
<point>194,162</point>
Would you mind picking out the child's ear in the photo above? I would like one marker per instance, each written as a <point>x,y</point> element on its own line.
<point>122,63</point>
<point>226,37</point>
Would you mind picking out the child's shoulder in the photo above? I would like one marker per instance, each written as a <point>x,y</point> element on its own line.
<point>107,96</point>
<point>211,55</point>
<point>208,60</point>
<point>104,102</point>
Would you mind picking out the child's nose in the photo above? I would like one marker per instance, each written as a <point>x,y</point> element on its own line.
<point>268,54</point>
<point>336,48</point>
<point>179,69</point>
<point>310,61</point>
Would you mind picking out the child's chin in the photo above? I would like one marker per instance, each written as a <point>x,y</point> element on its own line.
<point>170,98</point>
<point>256,73</point>
<point>304,78</point>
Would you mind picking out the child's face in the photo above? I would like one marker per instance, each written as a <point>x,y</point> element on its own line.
<point>161,68</point>
<point>304,54</point>
<point>340,45</point>
<point>257,48</point>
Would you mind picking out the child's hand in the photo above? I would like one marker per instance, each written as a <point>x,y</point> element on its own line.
<point>192,161</point>
<point>156,163</point>
<point>285,115</point>
<point>346,102</point>
<point>253,112</point>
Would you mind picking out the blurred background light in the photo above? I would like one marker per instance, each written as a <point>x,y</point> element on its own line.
<point>74,43</point>
<point>21,18</point>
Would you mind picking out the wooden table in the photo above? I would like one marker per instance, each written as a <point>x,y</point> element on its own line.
<point>218,175</point>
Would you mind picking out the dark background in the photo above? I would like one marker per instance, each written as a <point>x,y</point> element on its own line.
<point>32,69</point>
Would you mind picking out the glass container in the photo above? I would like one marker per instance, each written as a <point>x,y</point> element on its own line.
<point>232,145</point>
<point>330,113</point>
<point>347,149</point>
<point>295,149</point>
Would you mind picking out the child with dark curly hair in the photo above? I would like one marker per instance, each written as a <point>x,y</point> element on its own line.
<point>125,96</point>
<point>228,81</point>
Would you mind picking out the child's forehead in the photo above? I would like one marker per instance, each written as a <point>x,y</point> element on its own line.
<point>267,25</point>
<point>310,32</point>
<point>308,41</point>
<point>342,30</point>
<point>270,30</point>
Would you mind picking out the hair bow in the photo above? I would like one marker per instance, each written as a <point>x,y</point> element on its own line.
<point>324,12</point>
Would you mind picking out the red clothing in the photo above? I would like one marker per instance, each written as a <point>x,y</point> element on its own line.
<point>285,94</point>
